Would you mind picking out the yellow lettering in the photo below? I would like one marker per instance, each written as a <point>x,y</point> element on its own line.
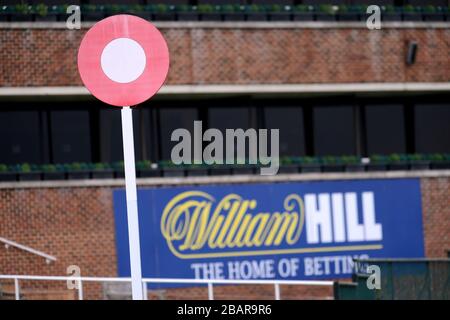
<point>189,227</point>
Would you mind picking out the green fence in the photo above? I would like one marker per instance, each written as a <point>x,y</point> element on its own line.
<point>400,279</point>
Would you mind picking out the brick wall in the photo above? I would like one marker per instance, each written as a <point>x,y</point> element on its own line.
<point>47,57</point>
<point>77,226</point>
<point>436,216</point>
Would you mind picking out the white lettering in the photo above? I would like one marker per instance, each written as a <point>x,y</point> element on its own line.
<point>355,231</point>
<point>373,230</point>
<point>318,217</point>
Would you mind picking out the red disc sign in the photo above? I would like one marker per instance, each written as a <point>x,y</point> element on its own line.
<point>123,60</point>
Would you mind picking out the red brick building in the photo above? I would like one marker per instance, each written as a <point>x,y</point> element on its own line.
<point>239,71</point>
<point>75,222</point>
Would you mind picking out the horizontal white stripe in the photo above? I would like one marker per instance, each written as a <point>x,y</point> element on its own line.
<point>245,89</point>
<point>175,181</point>
<point>244,25</point>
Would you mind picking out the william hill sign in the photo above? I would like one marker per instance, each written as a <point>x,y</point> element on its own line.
<point>272,231</point>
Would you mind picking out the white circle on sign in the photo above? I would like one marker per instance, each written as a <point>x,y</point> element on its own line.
<point>123,60</point>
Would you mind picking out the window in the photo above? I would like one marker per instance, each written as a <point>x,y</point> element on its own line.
<point>20,137</point>
<point>290,122</point>
<point>171,119</point>
<point>385,129</point>
<point>111,135</point>
<point>70,136</point>
<point>231,118</point>
<point>334,132</point>
<point>432,129</point>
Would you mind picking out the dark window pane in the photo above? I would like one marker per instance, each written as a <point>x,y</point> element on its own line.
<point>263,2</point>
<point>229,118</point>
<point>290,123</point>
<point>369,2</point>
<point>317,2</point>
<point>171,119</point>
<point>442,3</point>
<point>110,132</point>
<point>70,136</point>
<point>215,2</point>
<point>385,129</point>
<point>111,135</point>
<point>334,132</point>
<point>20,138</point>
<point>432,129</point>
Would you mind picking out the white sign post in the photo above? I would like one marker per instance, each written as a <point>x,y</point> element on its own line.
<point>123,60</point>
<point>132,206</point>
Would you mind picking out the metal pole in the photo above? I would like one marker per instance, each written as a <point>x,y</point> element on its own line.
<point>277,291</point>
<point>132,210</point>
<point>145,290</point>
<point>80,290</point>
<point>16,288</point>
<point>210,291</point>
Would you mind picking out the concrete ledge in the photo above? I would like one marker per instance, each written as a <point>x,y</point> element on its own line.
<point>243,25</point>
<point>373,87</point>
<point>238,179</point>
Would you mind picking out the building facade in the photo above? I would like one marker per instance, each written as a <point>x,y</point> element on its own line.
<point>333,89</point>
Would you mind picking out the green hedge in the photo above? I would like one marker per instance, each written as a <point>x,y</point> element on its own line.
<point>147,165</point>
<point>43,9</point>
<point>409,158</point>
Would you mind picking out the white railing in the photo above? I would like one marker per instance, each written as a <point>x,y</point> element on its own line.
<point>9,243</point>
<point>209,282</point>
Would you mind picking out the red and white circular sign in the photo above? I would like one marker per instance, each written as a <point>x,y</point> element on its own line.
<point>123,60</point>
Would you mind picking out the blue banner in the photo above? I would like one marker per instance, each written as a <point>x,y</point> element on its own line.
<point>301,231</point>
